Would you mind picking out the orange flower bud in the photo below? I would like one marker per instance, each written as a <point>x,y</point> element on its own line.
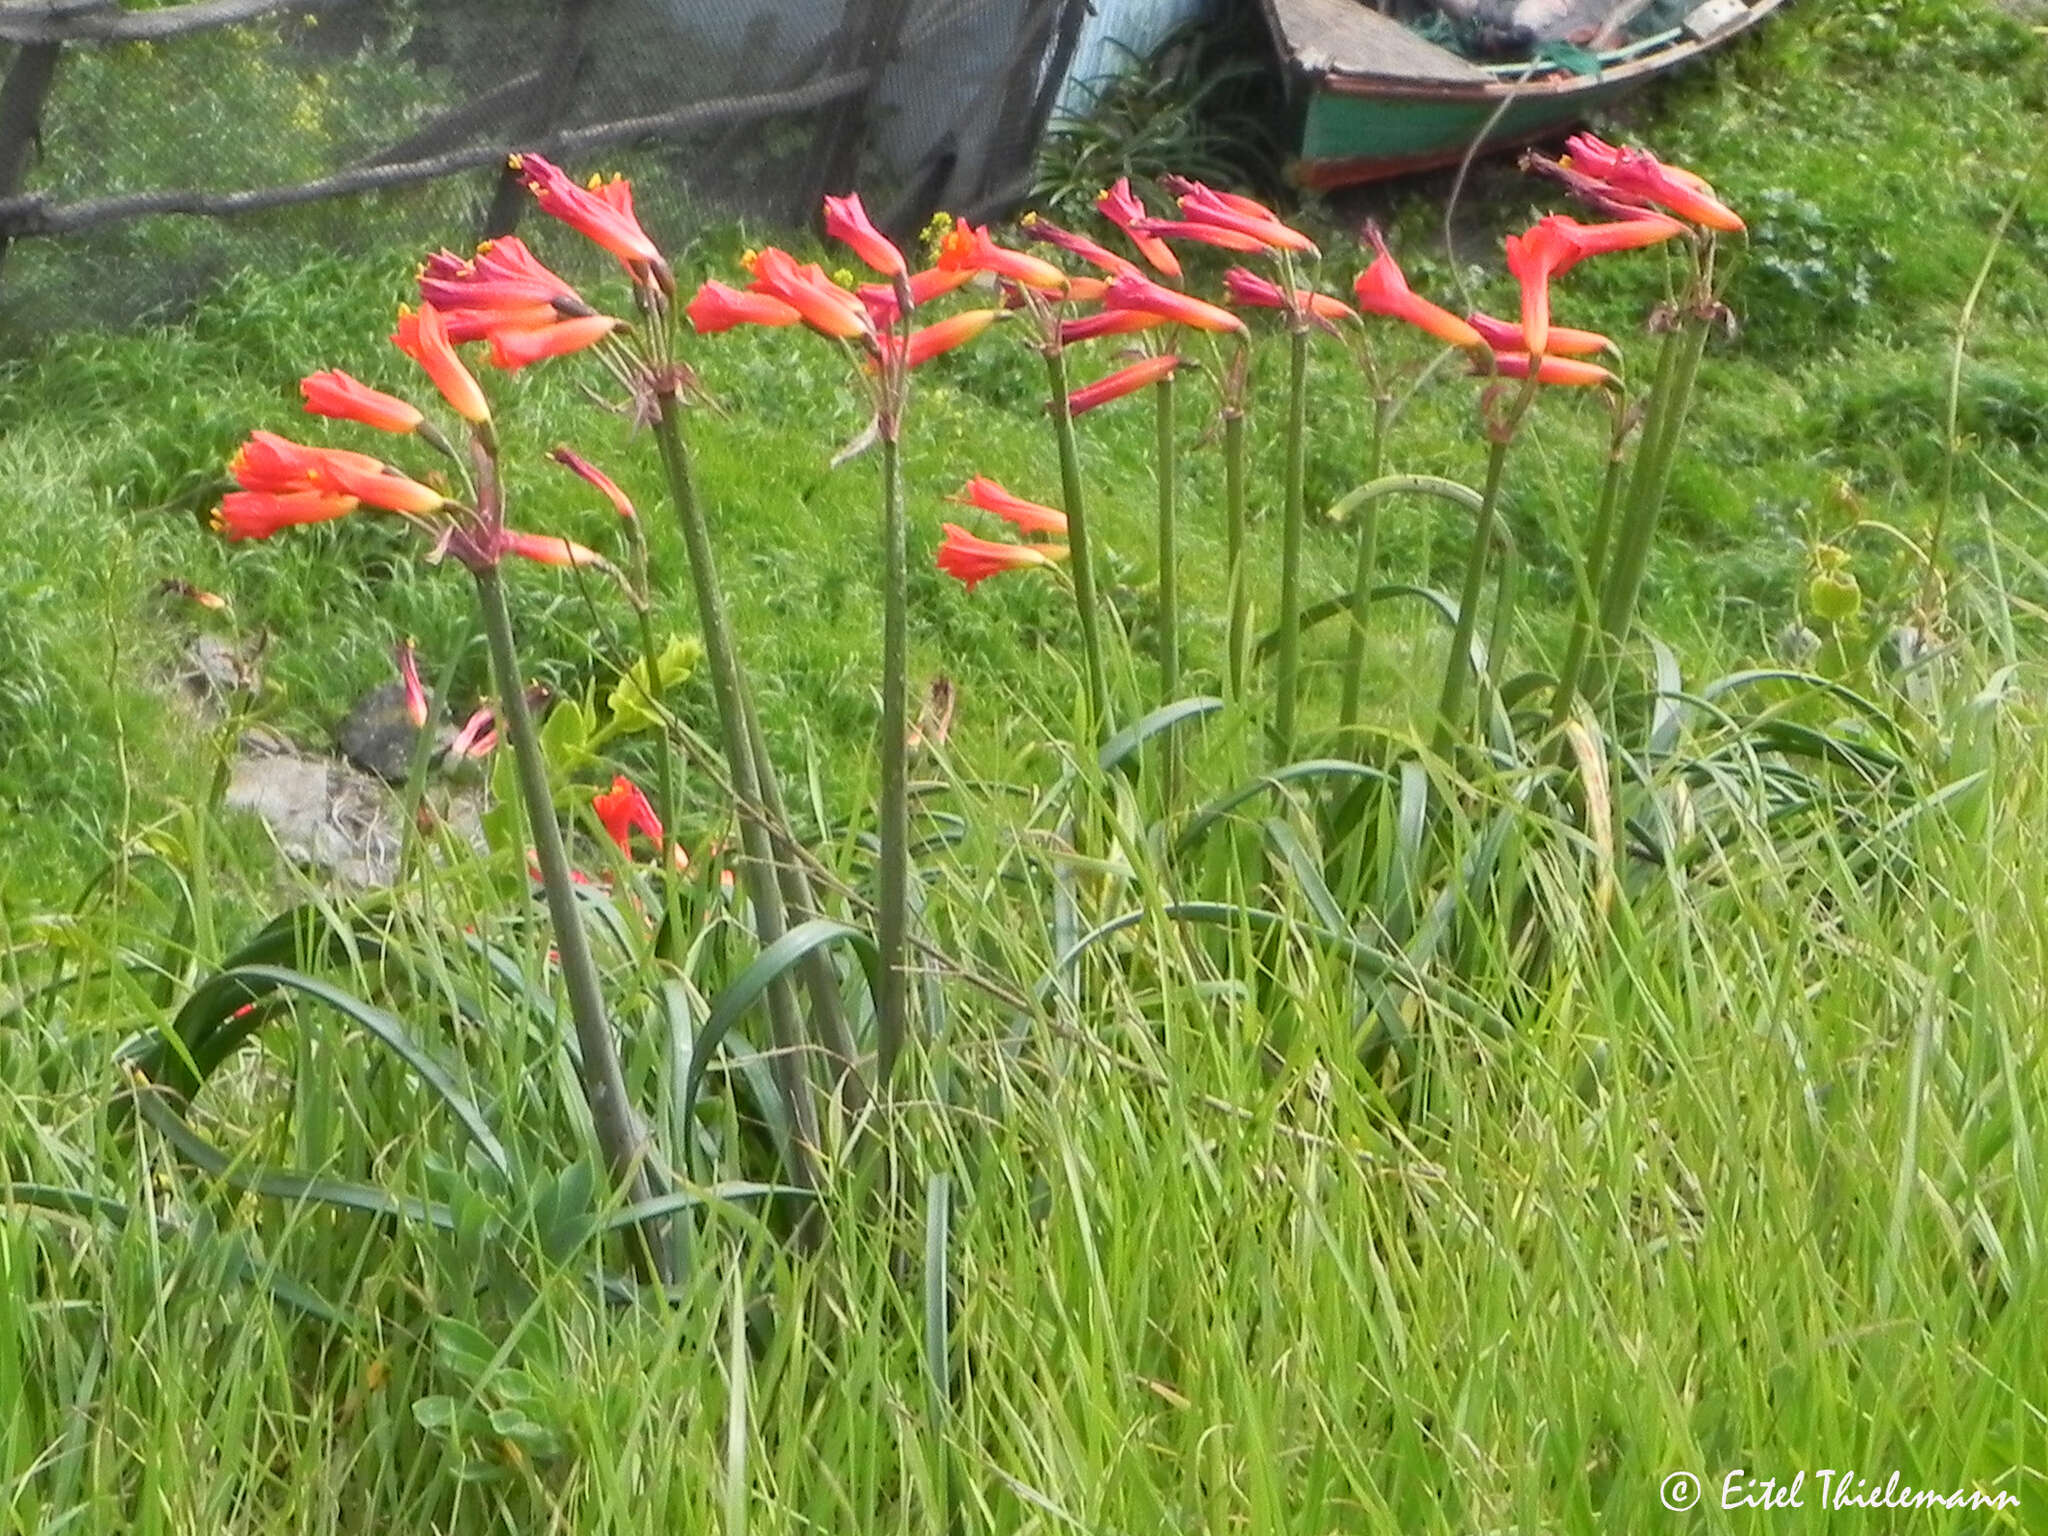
<point>337,395</point>
<point>423,337</point>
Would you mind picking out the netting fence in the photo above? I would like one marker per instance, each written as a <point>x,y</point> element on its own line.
<point>289,123</point>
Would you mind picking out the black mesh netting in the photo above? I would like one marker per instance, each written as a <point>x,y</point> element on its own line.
<point>384,119</point>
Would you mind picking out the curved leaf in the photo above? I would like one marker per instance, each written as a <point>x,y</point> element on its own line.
<point>224,1006</point>
<point>1330,607</point>
<point>1286,841</point>
<point>731,1193</point>
<point>1667,715</point>
<point>774,962</point>
<point>1224,914</point>
<point>1279,778</point>
<point>64,1201</point>
<point>1813,680</point>
<point>281,1184</point>
<point>1126,742</point>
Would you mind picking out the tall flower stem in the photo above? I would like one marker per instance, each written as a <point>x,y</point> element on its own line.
<point>1288,682</point>
<point>1169,561</point>
<point>1645,501</point>
<point>1234,544</point>
<point>1590,575</point>
<point>1451,705</point>
<point>1168,456</point>
<point>619,1133</point>
<point>800,903</point>
<point>1364,578</point>
<point>758,864</point>
<point>664,767</point>
<point>893,914</point>
<point>1082,550</point>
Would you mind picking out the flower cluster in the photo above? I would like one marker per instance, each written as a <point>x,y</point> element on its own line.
<point>507,299</point>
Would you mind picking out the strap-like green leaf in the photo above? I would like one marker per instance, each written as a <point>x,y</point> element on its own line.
<point>282,1184</point>
<point>1126,742</point>
<point>220,1012</point>
<point>1278,779</point>
<point>777,960</point>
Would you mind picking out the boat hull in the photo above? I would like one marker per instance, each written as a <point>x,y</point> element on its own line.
<point>1363,124</point>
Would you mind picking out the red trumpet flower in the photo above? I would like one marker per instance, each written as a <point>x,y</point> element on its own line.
<point>385,489</point>
<point>1621,235</point>
<point>415,690</point>
<point>547,549</point>
<point>1204,205</point>
<point>1564,342</point>
<point>1247,288</point>
<point>719,308</point>
<point>267,462</point>
<point>1552,370</point>
<point>929,341</point>
<point>601,211</point>
<point>588,472</point>
<point>1123,382</point>
<point>824,305</point>
<point>1078,245</point>
<point>931,283</point>
<point>1121,207</point>
<point>847,222</point>
<point>1221,236</point>
<point>1533,258</point>
<point>1184,186</point>
<point>972,560</point>
<point>477,324</point>
<point>259,514</point>
<point>1141,293</point>
<point>624,810</point>
<point>478,736</point>
<point>503,275</point>
<point>1108,322</point>
<point>1027,516</point>
<point>513,347</point>
<point>423,337</point>
<point>975,250</point>
<point>1556,244</point>
<point>272,465</point>
<point>335,394</point>
<point>1638,176</point>
<point>1382,290</point>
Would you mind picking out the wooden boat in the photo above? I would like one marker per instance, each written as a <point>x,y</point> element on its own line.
<point>1382,100</point>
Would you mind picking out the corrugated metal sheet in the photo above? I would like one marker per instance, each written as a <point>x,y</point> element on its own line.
<point>1115,39</point>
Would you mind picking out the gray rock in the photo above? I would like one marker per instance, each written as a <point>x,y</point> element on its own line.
<point>379,737</point>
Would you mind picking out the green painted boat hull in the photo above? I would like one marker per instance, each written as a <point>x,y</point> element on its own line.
<point>1378,100</point>
<point>1362,137</point>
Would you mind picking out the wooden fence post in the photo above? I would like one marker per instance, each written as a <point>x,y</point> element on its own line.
<point>561,66</point>
<point>21,113</point>
<point>867,41</point>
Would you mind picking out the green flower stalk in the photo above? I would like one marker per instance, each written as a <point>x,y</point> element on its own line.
<point>1073,504</point>
<point>800,904</point>
<point>1168,468</point>
<point>893,917</point>
<point>1288,680</point>
<point>1169,573</point>
<point>620,1136</point>
<point>1663,429</point>
<point>1451,703</point>
<point>1366,575</point>
<point>758,862</point>
<point>1234,521</point>
<point>1592,570</point>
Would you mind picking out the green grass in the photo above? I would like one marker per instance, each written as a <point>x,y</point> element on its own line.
<point>1746,1176</point>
